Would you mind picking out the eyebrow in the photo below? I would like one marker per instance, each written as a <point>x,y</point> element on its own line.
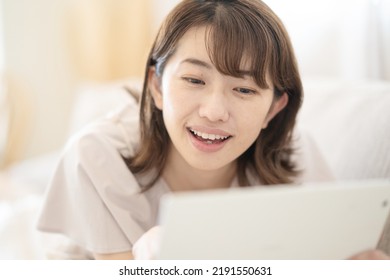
<point>206,65</point>
<point>197,62</point>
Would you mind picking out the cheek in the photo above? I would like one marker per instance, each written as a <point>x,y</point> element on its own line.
<point>254,116</point>
<point>251,130</point>
<point>175,90</point>
<point>169,103</point>
<point>176,105</point>
<point>251,123</point>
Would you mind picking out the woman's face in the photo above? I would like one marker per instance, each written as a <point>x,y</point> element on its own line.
<point>211,118</point>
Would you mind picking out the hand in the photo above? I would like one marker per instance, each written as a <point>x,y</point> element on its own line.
<point>148,246</point>
<point>370,255</point>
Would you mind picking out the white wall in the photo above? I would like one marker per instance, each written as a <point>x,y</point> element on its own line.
<point>160,9</point>
<point>37,69</point>
<point>348,39</point>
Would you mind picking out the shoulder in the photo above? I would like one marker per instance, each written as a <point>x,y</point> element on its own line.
<point>115,133</point>
<point>309,158</point>
<point>94,157</point>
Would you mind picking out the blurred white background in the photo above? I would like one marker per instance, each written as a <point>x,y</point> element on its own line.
<point>49,48</point>
<point>59,60</point>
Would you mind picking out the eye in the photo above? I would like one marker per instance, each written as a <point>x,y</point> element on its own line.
<point>245,91</point>
<point>194,81</point>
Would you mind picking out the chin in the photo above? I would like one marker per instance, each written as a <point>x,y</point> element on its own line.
<point>209,165</point>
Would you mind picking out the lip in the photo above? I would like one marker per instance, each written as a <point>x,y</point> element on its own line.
<point>203,146</point>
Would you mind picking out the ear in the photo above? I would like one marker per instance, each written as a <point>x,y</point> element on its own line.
<point>154,83</point>
<point>277,106</point>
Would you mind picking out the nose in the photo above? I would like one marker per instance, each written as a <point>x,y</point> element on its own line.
<point>214,107</point>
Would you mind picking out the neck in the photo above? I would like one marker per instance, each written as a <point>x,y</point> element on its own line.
<point>180,176</point>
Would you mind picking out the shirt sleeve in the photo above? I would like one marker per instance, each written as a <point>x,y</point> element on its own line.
<point>93,198</point>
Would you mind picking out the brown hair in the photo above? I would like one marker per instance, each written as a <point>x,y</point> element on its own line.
<point>235,29</point>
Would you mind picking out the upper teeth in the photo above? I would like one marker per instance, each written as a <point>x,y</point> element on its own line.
<point>208,136</point>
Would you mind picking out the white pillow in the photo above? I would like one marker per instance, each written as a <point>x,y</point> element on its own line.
<point>351,124</point>
<point>94,101</point>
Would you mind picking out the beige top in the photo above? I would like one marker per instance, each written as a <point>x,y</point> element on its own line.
<point>95,200</point>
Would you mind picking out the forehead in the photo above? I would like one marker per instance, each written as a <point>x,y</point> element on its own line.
<point>193,42</point>
<point>198,42</point>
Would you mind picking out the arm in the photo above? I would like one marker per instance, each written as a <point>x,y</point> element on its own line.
<point>116,256</point>
<point>370,255</point>
<point>146,248</point>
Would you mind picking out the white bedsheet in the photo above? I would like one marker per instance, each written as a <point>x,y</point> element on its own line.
<point>19,238</point>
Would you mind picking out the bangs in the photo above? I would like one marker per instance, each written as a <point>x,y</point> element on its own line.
<point>241,45</point>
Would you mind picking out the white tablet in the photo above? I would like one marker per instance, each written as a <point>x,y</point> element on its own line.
<point>316,221</point>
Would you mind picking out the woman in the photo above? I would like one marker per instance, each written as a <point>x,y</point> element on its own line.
<point>218,107</point>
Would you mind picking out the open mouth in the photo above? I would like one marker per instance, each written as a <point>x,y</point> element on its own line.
<point>207,138</point>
